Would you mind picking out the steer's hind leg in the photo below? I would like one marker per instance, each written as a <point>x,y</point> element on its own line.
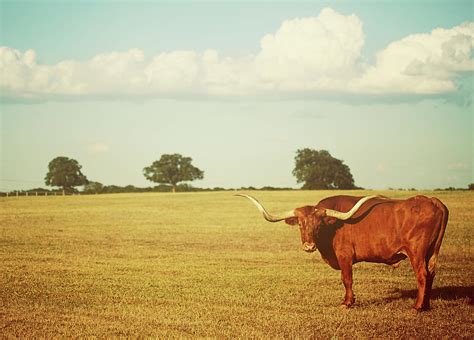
<point>424,281</point>
<point>429,284</point>
<point>429,281</point>
<point>346,276</point>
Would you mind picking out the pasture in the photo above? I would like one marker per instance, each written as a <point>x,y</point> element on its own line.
<point>208,265</point>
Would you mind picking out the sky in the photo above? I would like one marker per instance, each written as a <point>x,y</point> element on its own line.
<point>385,86</point>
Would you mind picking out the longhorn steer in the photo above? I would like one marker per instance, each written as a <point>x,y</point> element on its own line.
<point>348,229</point>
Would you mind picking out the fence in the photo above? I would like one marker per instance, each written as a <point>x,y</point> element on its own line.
<point>35,193</point>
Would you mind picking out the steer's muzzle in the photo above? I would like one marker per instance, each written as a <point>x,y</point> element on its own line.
<point>309,247</point>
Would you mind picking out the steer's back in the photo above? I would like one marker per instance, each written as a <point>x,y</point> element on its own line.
<point>383,228</point>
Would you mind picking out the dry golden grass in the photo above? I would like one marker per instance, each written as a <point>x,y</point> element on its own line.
<point>208,265</point>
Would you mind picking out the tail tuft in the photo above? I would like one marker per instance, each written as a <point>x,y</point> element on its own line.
<point>432,263</point>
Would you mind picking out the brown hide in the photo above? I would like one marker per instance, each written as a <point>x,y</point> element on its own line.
<point>384,231</point>
<point>380,229</point>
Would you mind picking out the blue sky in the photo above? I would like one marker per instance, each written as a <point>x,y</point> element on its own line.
<point>239,87</point>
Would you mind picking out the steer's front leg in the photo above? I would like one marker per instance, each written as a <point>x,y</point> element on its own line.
<point>346,276</point>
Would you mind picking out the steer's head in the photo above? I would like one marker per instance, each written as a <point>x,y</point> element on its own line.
<point>309,218</point>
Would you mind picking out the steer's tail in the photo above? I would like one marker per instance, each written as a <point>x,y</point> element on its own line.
<point>439,239</point>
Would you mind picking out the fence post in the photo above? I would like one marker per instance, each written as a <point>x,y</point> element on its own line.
<point>36,193</point>
<point>46,193</point>
<point>7,193</point>
<point>17,193</point>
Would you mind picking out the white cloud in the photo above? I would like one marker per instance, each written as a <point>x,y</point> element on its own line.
<point>98,147</point>
<point>312,53</point>
<point>457,166</point>
<point>421,63</point>
<point>173,71</point>
<point>319,54</point>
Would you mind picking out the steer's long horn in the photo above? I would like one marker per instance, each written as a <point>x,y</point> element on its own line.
<point>266,215</point>
<point>346,215</point>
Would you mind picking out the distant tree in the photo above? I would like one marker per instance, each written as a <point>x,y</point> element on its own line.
<point>471,186</point>
<point>41,190</point>
<point>248,188</point>
<point>162,188</point>
<point>184,187</point>
<point>172,169</point>
<point>112,189</point>
<point>93,188</point>
<point>319,170</point>
<point>65,173</point>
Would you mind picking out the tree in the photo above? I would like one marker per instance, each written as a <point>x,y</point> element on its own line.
<point>172,169</point>
<point>93,187</point>
<point>471,186</point>
<point>319,170</point>
<point>66,173</point>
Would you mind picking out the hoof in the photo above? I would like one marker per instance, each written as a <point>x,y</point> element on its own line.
<point>346,305</point>
<point>420,309</point>
<point>417,310</point>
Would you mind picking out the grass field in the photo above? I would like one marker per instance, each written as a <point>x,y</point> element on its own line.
<point>208,265</point>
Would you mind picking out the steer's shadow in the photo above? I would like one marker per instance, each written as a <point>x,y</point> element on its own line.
<point>443,293</point>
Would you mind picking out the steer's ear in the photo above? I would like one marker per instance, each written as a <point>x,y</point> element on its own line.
<point>329,220</point>
<point>291,220</point>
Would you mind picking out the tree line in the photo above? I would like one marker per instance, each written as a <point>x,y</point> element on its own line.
<point>315,169</point>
